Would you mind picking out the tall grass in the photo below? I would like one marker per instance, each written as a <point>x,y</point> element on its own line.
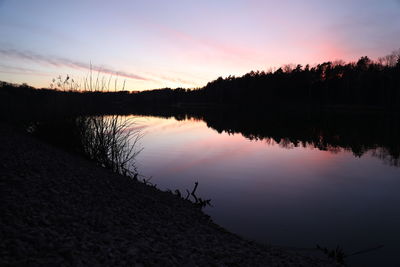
<point>110,141</point>
<point>90,83</point>
<point>64,117</point>
<point>106,139</point>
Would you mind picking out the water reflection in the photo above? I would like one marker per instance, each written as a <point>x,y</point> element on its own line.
<point>321,184</point>
<point>331,131</point>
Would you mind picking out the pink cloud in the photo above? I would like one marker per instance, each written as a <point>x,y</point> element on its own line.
<point>208,48</point>
<point>63,62</point>
<point>20,70</point>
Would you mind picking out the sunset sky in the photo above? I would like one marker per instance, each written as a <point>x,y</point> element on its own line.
<point>154,44</point>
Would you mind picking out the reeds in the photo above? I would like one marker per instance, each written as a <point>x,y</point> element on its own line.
<point>100,84</point>
<point>110,141</point>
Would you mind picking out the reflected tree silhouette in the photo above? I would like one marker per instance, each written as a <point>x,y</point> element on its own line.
<point>360,133</point>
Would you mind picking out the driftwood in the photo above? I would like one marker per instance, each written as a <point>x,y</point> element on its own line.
<point>197,200</point>
<point>339,255</point>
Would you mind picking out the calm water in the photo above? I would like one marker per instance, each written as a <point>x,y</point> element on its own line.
<point>278,193</point>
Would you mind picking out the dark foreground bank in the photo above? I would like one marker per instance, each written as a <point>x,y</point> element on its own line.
<point>58,209</point>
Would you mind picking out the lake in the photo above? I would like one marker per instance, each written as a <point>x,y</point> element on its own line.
<point>297,189</point>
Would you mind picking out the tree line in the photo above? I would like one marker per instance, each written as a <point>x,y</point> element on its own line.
<point>364,83</point>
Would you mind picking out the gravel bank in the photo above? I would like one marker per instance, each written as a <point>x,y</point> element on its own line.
<point>58,209</point>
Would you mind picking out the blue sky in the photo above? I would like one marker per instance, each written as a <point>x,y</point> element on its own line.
<point>155,44</point>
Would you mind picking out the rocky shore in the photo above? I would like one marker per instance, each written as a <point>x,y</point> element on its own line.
<point>58,209</point>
